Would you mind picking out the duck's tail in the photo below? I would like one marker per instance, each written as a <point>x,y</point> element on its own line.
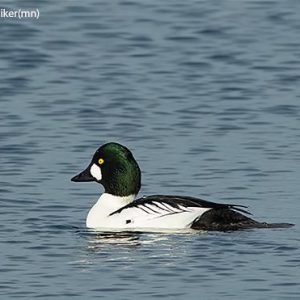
<point>226,219</point>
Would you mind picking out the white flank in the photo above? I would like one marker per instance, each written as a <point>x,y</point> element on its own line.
<point>96,172</point>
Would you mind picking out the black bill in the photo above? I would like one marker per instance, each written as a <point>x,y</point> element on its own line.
<point>84,176</point>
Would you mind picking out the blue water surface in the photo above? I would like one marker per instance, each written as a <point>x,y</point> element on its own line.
<point>205,94</point>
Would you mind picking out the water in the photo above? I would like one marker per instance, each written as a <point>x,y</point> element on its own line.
<point>205,94</point>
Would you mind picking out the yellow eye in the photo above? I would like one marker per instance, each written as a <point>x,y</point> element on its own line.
<point>100,161</point>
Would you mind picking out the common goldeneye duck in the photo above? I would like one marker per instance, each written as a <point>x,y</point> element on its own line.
<point>114,166</point>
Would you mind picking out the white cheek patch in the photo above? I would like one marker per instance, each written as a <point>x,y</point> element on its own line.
<point>96,172</point>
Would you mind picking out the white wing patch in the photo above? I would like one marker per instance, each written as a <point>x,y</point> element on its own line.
<point>155,214</point>
<point>159,215</point>
<point>163,206</point>
<point>161,209</point>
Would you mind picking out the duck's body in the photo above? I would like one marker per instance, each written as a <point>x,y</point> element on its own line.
<point>115,168</point>
<point>148,212</point>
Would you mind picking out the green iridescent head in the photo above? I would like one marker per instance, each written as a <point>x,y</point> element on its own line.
<point>113,166</point>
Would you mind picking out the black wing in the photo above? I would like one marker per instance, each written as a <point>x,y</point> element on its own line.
<point>175,204</point>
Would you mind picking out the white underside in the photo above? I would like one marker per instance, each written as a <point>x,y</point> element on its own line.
<point>135,218</point>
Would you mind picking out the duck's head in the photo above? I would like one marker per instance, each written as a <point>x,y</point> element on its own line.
<point>113,166</point>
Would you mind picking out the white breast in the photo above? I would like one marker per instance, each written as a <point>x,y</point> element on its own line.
<point>98,216</point>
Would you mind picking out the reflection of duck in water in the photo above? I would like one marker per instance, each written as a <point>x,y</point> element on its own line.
<point>114,166</point>
<point>99,239</point>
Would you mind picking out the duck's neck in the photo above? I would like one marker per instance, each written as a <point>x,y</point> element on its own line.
<point>106,204</point>
<point>109,201</point>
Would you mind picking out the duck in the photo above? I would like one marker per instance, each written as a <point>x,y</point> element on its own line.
<point>118,208</point>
